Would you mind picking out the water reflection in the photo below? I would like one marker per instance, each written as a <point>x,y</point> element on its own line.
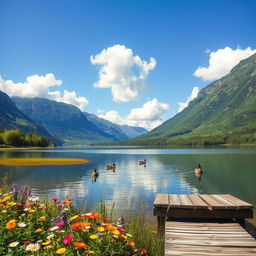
<point>132,184</point>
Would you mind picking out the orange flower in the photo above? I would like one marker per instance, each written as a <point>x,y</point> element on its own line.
<point>6,198</point>
<point>38,230</point>
<point>11,224</point>
<point>68,201</point>
<point>131,243</point>
<point>80,225</point>
<point>92,215</point>
<point>110,227</point>
<point>42,218</point>
<point>80,245</point>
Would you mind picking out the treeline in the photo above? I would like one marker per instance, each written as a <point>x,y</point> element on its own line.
<point>17,138</point>
<point>189,140</point>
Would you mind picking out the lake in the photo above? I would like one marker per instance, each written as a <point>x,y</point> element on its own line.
<point>226,170</point>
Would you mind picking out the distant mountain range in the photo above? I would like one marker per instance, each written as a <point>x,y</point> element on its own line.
<point>12,118</point>
<point>223,112</point>
<point>69,124</point>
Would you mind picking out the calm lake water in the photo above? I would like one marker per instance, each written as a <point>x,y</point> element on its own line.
<point>226,170</point>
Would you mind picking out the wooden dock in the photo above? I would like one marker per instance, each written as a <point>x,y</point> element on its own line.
<point>197,238</point>
<point>205,224</point>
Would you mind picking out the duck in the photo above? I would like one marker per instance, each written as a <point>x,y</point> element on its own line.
<point>141,162</point>
<point>199,171</point>
<point>95,174</point>
<point>111,166</point>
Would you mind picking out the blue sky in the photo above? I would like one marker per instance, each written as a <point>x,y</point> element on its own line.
<point>65,40</point>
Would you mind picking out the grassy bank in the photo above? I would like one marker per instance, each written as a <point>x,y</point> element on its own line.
<point>31,226</point>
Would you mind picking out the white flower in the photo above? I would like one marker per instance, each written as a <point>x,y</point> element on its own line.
<point>22,224</point>
<point>4,211</point>
<point>54,228</point>
<point>33,247</point>
<point>13,244</point>
<point>50,236</point>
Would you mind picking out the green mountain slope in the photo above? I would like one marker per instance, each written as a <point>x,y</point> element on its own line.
<point>62,120</point>
<point>12,118</point>
<point>117,132</point>
<point>223,112</point>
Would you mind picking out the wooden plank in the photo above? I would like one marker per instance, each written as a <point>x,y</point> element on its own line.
<point>228,204</point>
<point>211,202</point>
<point>174,201</point>
<point>198,202</point>
<point>186,202</point>
<point>240,203</point>
<point>162,200</point>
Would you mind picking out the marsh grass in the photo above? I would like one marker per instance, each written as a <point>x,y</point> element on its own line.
<point>42,161</point>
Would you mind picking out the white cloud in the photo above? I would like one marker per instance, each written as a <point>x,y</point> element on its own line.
<point>222,61</point>
<point>193,95</point>
<point>39,86</point>
<point>149,116</point>
<point>123,72</point>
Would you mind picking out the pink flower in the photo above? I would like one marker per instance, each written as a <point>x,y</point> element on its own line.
<point>60,224</point>
<point>55,198</point>
<point>67,239</point>
<point>121,229</point>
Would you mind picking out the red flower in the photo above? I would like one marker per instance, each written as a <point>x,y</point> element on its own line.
<point>144,250</point>
<point>26,242</point>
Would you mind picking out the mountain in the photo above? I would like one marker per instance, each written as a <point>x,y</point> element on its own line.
<point>62,120</point>
<point>12,118</point>
<point>117,132</point>
<point>223,112</point>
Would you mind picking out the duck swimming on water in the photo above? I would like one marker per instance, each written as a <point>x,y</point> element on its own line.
<point>199,172</point>
<point>111,166</point>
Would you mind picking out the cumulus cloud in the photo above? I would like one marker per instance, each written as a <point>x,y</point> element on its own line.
<point>39,86</point>
<point>193,95</point>
<point>149,116</point>
<point>123,72</point>
<point>222,61</point>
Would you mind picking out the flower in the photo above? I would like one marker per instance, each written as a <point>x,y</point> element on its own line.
<point>48,247</point>
<point>74,217</point>
<point>67,239</point>
<point>26,242</point>
<point>55,198</point>
<point>92,215</point>
<point>131,243</point>
<point>32,210</point>
<point>100,229</point>
<point>33,247</point>
<point>80,225</point>
<point>61,251</point>
<point>22,224</point>
<point>50,236</point>
<point>38,230</point>
<point>11,224</point>
<point>59,224</point>
<point>88,251</point>
<point>105,219</point>
<point>13,244</point>
<point>93,237</point>
<point>46,243</point>
<point>42,218</point>
<point>80,245</point>
<point>144,250</point>
<point>116,232</point>
<point>53,228</point>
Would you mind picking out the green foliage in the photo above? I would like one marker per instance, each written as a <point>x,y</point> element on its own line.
<point>17,138</point>
<point>223,112</point>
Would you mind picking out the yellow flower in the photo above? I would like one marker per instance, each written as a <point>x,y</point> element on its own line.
<point>124,237</point>
<point>32,210</point>
<point>154,231</point>
<point>42,218</point>
<point>74,217</point>
<point>100,229</point>
<point>88,251</point>
<point>38,230</point>
<point>131,243</point>
<point>61,251</point>
<point>46,243</point>
<point>6,198</point>
<point>48,247</point>
<point>116,232</point>
<point>129,235</point>
<point>93,237</point>
<point>11,224</point>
